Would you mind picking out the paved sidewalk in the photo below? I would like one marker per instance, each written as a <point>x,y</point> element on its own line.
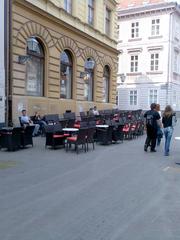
<point>117,192</point>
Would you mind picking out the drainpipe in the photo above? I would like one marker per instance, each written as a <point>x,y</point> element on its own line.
<point>8,59</point>
<point>6,55</point>
<point>169,60</point>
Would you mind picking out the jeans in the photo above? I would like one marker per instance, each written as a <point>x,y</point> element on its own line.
<point>168,135</point>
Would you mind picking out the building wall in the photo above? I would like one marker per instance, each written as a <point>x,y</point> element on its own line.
<point>2,70</point>
<point>79,18</point>
<point>144,80</point>
<point>56,36</point>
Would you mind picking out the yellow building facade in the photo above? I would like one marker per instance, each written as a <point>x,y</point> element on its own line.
<point>63,55</point>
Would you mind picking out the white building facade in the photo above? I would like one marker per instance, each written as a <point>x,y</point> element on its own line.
<point>2,65</point>
<point>149,60</point>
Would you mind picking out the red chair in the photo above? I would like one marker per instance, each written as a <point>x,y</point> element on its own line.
<point>80,139</point>
<point>54,136</point>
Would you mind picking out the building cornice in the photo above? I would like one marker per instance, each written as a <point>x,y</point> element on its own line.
<point>147,10</point>
<point>42,12</point>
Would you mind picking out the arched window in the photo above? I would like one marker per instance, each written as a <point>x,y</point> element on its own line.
<point>66,75</point>
<point>106,85</point>
<point>89,79</point>
<point>34,67</point>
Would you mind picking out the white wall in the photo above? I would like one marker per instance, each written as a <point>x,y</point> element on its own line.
<point>2,71</point>
<point>144,81</point>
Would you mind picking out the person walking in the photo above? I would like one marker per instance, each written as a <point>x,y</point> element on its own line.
<point>159,130</point>
<point>151,122</point>
<point>167,121</point>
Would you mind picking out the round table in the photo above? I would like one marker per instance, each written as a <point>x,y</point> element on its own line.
<point>70,129</point>
<point>102,126</point>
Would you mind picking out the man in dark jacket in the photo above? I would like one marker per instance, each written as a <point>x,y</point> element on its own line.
<point>151,121</point>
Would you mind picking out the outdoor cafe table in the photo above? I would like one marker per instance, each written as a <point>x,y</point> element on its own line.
<point>72,130</point>
<point>102,126</point>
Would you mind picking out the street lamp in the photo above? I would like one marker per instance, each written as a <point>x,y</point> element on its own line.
<point>89,64</point>
<point>122,77</point>
<point>32,45</point>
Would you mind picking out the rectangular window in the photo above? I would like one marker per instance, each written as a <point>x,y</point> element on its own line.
<point>175,61</point>
<point>68,6</point>
<point>155,27</point>
<point>118,29</point>
<point>133,97</point>
<point>134,63</point>
<point>174,98</point>
<point>153,96</point>
<point>154,65</point>
<point>91,12</point>
<point>135,30</point>
<point>107,21</point>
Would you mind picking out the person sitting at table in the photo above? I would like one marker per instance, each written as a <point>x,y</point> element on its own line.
<point>37,119</point>
<point>26,121</point>
<point>95,111</point>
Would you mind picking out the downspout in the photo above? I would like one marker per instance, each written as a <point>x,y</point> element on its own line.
<point>8,60</point>
<point>169,60</point>
<point>6,55</point>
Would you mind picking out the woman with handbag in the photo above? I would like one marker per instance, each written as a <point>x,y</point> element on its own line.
<point>167,121</point>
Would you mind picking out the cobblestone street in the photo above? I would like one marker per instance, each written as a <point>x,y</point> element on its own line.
<point>115,192</point>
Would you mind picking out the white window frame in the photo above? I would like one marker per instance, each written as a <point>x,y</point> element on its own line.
<point>177,31</point>
<point>176,61</point>
<point>154,61</point>
<point>68,6</point>
<point>91,11</point>
<point>154,99</point>
<point>133,93</point>
<point>155,27</point>
<point>134,30</point>
<point>134,63</point>
<point>107,21</point>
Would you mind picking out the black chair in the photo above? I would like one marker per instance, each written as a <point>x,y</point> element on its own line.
<point>21,124</point>
<point>63,122</point>
<point>26,136</point>
<point>54,136</point>
<point>82,114</point>
<point>117,134</point>
<point>71,118</point>
<point>80,139</point>
<point>104,135</point>
<point>83,124</point>
<point>51,118</point>
<point>90,137</point>
<point>11,139</point>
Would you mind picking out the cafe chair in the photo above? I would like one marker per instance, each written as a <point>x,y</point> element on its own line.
<point>54,136</point>
<point>79,139</point>
<point>11,140</point>
<point>26,136</point>
<point>90,137</point>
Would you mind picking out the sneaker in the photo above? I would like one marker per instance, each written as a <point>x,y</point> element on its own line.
<point>166,154</point>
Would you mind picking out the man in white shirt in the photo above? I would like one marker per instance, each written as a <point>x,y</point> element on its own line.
<point>95,111</point>
<point>25,120</point>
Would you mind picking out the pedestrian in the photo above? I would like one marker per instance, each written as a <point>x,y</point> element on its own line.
<point>95,111</point>
<point>152,118</point>
<point>37,119</point>
<point>26,121</point>
<point>167,121</point>
<point>159,130</point>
